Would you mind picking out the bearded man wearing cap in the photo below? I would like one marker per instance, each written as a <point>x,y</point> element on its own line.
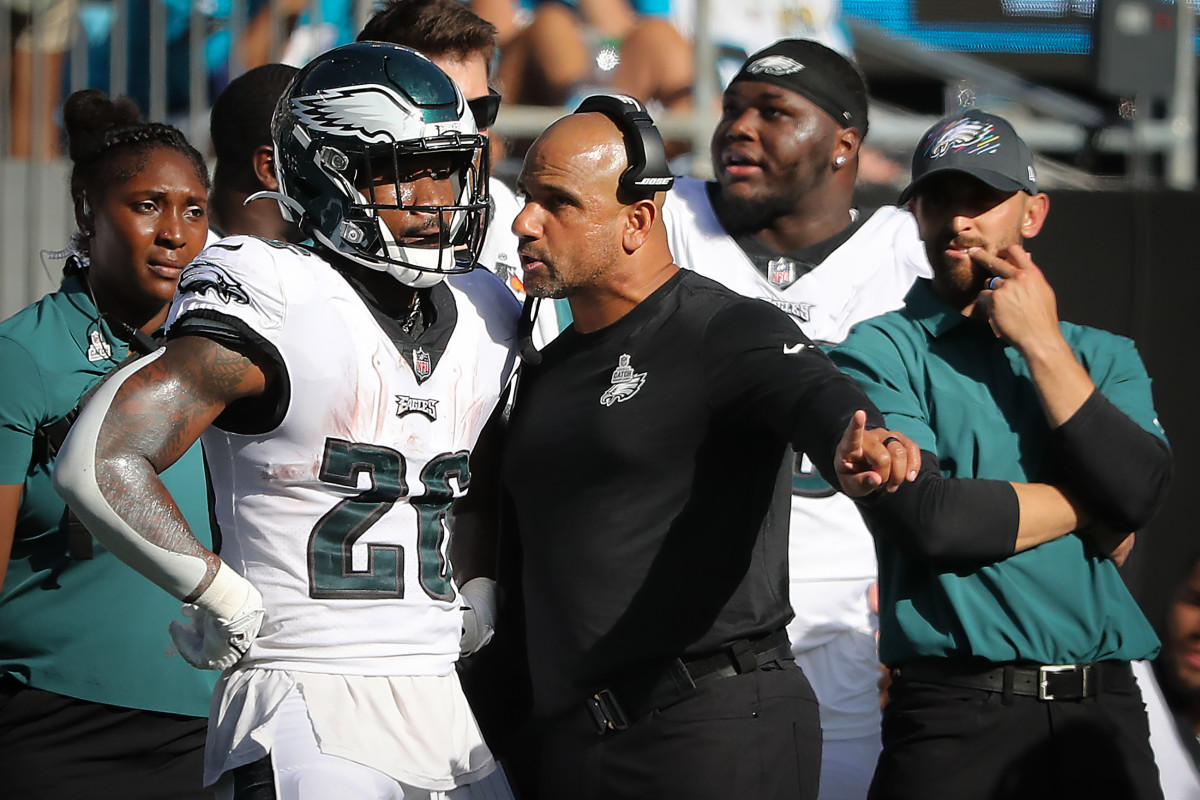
<point>779,224</point>
<point>1007,627</point>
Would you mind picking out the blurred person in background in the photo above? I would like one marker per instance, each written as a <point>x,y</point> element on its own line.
<point>89,704</point>
<point>240,129</point>
<point>1171,690</point>
<point>568,49</point>
<point>41,35</point>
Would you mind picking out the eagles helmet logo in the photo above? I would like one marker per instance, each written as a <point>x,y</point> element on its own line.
<point>625,383</point>
<point>775,65</point>
<point>966,136</point>
<point>202,277</point>
<point>371,112</point>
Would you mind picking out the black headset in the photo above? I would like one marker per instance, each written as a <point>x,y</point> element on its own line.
<point>647,172</point>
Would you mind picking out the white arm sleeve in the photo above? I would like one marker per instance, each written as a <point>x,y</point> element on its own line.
<point>75,480</point>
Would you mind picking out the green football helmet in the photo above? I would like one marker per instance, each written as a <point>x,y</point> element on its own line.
<point>365,115</point>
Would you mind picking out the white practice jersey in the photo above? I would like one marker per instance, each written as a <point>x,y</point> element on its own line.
<point>334,504</point>
<point>866,276</point>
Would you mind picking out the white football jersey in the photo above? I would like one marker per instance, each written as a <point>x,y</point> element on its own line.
<point>335,507</point>
<point>866,276</point>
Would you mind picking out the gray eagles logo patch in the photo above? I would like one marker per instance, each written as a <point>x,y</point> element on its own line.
<point>202,277</point>
<point>625,383</point>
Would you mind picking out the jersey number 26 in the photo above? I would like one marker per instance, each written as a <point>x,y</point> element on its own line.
<point>331,574</point>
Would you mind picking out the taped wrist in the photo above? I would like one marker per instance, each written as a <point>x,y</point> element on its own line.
<point>75,481</point>
<point>1115,467</point>
<point>955,520</point>
<point>227,596</point>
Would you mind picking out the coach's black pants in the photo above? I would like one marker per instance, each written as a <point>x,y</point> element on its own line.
<point>750,736</point>
<point>946,742</point>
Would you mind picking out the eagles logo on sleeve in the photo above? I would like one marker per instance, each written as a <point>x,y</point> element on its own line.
<point>202,277</point>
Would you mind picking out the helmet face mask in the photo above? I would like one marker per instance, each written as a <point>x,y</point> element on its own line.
<point>359,129</point>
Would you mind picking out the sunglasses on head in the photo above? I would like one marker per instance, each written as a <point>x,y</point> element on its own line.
<point>485,109</point>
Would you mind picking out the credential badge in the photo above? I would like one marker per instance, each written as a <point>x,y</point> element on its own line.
<point>625,383</point>
<point>416,405</point>
<point>98,347</point>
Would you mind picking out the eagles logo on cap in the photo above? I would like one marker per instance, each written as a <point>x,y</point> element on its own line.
<point>965,137</point>
<point>978,144</point>
<point>775,65</point>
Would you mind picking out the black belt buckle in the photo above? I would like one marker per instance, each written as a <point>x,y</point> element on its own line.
<point>1064,681</point>
<point>606,712</point>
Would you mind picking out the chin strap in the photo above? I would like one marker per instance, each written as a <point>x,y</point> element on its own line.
<point>292,211</point>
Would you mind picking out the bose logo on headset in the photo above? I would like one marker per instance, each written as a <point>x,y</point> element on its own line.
<point>648,170</point>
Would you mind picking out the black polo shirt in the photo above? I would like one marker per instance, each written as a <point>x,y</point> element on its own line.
<point>649,467</point>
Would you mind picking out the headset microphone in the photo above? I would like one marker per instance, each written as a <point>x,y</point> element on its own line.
<point>529,352</point>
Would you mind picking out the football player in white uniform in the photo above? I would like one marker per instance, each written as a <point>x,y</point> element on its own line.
<point>340,393</point>
<point>463,45</point>
<point>779,224</point>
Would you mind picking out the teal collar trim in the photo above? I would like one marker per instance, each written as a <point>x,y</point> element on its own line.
<point>930,311</point>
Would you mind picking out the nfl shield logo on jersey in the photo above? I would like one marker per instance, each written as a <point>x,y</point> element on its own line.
<point>781,271</point>
<point>421,363</point>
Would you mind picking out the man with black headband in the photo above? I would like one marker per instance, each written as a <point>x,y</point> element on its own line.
<point>240,128</point>
<point>779,224</point>
<point>1008,630</point>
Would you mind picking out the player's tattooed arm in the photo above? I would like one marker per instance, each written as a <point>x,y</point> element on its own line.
<point>156,414</point>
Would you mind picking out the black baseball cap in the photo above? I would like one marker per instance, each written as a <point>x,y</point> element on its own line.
<point>979,144</point>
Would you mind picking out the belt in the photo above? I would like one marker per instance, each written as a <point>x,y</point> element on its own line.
<point>1043,681</point>
<point>624,701</point>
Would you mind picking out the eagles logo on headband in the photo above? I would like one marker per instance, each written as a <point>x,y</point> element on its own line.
<point>814,71</point>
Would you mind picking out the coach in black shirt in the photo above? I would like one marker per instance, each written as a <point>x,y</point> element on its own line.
<point>648,467</point>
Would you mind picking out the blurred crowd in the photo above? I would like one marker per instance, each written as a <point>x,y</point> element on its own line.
<point>551,52</point>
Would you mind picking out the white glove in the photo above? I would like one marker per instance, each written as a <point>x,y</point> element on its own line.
<point>478,597</point>
<point>211,642</point>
